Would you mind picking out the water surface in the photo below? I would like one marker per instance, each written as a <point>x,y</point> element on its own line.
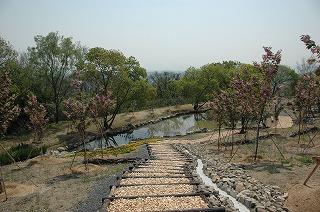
<point>180,125</point>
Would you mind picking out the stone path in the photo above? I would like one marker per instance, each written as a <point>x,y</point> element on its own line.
<point>163,183</point>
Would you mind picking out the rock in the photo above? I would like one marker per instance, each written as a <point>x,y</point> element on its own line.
<point>260,208</point>
<point>285,195</point>
<point>214,200</point>
<point>61,149</point>
<point>225,179</point>
<point>54,152</point>
<point>239,187</point>
<point>63,153</point>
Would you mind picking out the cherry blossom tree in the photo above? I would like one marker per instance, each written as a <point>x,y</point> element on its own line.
<point>77,110</point>
<point>315,50</point>
<point>226,110</point>
<point>8,109</point>
<point>100,106</point>
<point>219,113</point>
<point>314,60</point>
<point>307,94</point>
<point>263,95</point>
<point>8,112</point>
<point>37,115</point>
<point>245,86</point>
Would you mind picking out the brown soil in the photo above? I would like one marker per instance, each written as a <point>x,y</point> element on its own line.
<point>81,168</point>
<point>304,198</point>
<point>18,190</point>
<point>46,183</point>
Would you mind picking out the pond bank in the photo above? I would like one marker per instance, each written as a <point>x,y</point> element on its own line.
<point>136,131</point>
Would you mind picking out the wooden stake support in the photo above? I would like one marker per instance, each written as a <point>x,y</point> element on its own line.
<point>317,160</point>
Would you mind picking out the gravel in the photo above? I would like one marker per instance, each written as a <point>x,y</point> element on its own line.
<point>159,170</point>
<point>127,181</point>
<point>144,174</point>
<point>101,188</point>
<point>162,166</point>
<point>156,204</point>
<point>146,190</point>
<point>167,162</point>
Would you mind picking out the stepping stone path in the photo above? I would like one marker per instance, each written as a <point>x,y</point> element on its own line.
<point>163,183</point>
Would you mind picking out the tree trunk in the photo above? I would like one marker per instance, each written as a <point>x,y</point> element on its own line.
<point>85,152</point>
<point>257,141</point>
<point>219,136</point>
<point>243,123</point>
<point>232,140</point>
<point>56,114</point>
<point>101,145</point>
<point>299,127</point>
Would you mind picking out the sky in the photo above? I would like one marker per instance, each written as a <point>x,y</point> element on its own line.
<point>169,34</point>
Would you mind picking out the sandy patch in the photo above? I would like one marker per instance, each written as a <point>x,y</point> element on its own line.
<point>303,198</point>
<point>283,122</point>
<point>18,190</point>
<point>80,169</point>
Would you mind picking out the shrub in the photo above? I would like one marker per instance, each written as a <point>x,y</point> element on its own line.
<point>21,152</point>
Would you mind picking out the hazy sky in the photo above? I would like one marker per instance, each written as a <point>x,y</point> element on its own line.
<point>169,34</point>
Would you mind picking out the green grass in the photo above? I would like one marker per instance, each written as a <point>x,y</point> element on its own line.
<point>21,152</point>
<point>305,159</point>
<point>124,149</point>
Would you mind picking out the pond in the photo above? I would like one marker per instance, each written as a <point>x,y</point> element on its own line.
<point>179,125</point>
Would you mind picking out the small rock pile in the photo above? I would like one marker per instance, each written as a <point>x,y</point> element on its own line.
<point>234,180</point>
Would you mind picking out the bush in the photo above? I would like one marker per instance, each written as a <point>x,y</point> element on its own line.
<point>21,152</point>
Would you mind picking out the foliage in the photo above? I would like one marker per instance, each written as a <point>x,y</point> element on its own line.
<point>8,109</point>
<point>54,58</point>
<point>21,152</point>
<point>7,55</point>
<point>166,87</point>
<point>100,106</point>
<point>111,70</point>
<point>315,50</point>
<point>197,85</point>
<point>37,115</point>
<point>77,108</point>
<point>284,82</point>
<point>246,85</point>
<point>268,68</point>
<point>307,93</point>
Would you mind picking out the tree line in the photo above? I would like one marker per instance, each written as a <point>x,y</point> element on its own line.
<point>47,70</point>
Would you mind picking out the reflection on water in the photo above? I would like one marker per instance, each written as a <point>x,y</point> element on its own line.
<point>180,125</point>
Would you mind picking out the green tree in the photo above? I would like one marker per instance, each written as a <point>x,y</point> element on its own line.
<point>8,55</point>
<point>54,58</point>
<point>198,84</point>
<point>284,81</point>
<point>111,70</point>
<point>166,85</point>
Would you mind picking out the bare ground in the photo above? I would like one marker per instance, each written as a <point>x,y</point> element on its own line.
<point>47,184</point>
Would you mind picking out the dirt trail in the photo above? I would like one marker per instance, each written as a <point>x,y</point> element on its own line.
<point>163,183</point>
